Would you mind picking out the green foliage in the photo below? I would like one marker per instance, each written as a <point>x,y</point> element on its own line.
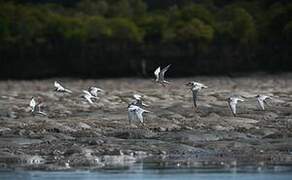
<point>238,25</point>
<point>196,11</point>
<point>125,29</point>
<point>196,30</point>
<point>98,30</point>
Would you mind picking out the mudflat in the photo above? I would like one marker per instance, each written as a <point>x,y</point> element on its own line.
<point>78,135</point>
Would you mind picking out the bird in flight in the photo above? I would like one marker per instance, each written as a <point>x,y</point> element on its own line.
<point>159,74</point>
<point>262,100</point>
<point>32,104</point>
<point>60,88</point>
<point>232,102</point>
<point>136,113</point>
<point>35,105</point>
<point>88,96</point>
<point>195,88</point>
<point>95,91</point>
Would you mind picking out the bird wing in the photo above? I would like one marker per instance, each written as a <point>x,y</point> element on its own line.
<point>86,92</point>
<point>145,105</point>
<point>58,86</point>
<point>195,92</point>
<point>61,88</point>
<point>232,106</point>
<point>93,91</point>
<point>261,103</point>
<point>67,90</point>
<point>156,73</point>
<point>32,103</point>
<point>131,115</point>
<point>42,113</point>
<point>88,98</point>
<point>164,70</point>
<point>139,114</point>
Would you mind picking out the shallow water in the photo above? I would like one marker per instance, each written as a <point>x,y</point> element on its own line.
<point>139,172</point>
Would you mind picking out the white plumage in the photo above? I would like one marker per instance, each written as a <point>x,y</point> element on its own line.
<point>195,88</point>
<point>60,88</point>
<point>262,100</point>
<point>159,74</point>
<point>136,113</point>
<point>232,101</point>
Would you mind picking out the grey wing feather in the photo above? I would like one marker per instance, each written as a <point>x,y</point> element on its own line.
<point>131,116</point>
<point>164,70</point>
<point>261,103</point>
<point>232,106</point>
<point>195,92</point>
<point>140,116</point>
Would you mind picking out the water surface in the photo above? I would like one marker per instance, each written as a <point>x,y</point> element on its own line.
<point>140,172</point>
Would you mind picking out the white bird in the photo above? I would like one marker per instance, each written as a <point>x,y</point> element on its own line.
<point>262,100</point>
<point>138,101</point>
<point>232,101</point>
<point>94,91</point>
<point>60,88</point>
<point>32,104</point>
<point>195,88</point>
<point>88,96</point>
<point>36,103</point>
<point>136,113</point>
<point>159,74</point>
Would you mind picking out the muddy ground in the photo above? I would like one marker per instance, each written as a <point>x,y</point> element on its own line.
<point>78,135</point>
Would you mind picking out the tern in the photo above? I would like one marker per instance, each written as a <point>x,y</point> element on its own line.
<point>159,74</point>
<point>232,101</point>
<point>94,90</point>
<point>136,113</point>
<point>138,101</point>
<point>33,104</point>
<point>262,100</point>
<point>60,88</point>
<point>195,88</point>
<point>36,103</point>
<point>88,96</point>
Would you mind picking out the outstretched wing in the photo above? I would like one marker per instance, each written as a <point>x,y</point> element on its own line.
<point>164,70</point>
<point>232,106</point>
<point>58,85</point>
<point>131,115</point>
<point>156,73</point>
<point>195,92</point>
<point>86,92</point>
<point>139,114</point>
<point>93,91</point>
<point>88,98</point>
<point>261,103</point>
